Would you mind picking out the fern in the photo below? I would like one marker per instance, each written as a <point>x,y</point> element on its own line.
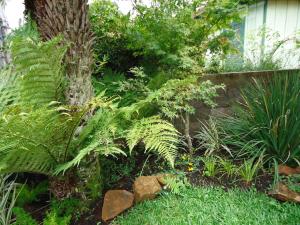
<point>158,136</point>
<point>40,66</point>
<point>8,89</point>
<point>35,140</point>
<point>39,135</point>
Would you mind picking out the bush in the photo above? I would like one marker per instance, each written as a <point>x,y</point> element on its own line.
<point>110,28</point>
<point>189,33</point>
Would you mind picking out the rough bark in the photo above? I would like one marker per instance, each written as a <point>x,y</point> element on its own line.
<point>69,18</point>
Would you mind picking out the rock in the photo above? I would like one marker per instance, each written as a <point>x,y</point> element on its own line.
<point>283,193</point>
<point>116,202</point>
<point>286,170</point>
<point>146,188</point>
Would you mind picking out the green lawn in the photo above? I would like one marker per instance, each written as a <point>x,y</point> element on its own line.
<point>212,206</point>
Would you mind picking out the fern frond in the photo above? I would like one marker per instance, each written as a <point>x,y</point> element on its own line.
<point>40,66</point>
<point>108,149</point>
<point>34,141</point>
<point>8,87</point>
<point>158,136</point>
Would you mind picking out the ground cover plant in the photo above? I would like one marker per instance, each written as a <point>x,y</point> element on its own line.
<point>212,206</point>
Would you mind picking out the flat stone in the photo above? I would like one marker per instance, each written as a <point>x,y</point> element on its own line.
<point>116,202</point>
<point>146,188</point>
<point>288,171</point>
<point>283,193</point>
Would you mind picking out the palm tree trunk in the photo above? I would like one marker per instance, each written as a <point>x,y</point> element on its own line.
<point>68,18</point>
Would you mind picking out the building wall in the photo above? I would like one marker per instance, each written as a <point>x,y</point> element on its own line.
<point>278,16</point>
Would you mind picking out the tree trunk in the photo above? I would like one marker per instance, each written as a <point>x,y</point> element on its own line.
<point>186,122</point>
<point>68,18</point>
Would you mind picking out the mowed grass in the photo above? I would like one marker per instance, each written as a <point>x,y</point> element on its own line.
<point>212,206</point>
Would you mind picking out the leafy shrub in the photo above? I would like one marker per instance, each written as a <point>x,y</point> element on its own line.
<point>115,169</point>
<point>126,41</point>
<point>267,123</point>
<point>175,96</point>
<point>110,28</point>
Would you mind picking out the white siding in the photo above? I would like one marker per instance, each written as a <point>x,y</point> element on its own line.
<point>282,17</point>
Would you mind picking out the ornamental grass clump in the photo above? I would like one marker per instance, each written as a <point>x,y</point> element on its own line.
<point>267,122</point>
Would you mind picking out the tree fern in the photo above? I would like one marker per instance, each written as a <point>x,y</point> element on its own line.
<point>158,136</point>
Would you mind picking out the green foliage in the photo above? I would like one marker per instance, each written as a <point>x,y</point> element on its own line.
<point>268,120</point>
<point>292,182</point>
<point>109,82</point>
<point>29,194</point>
<point>249,169</point>
<point>115,169</point>
<point>53,219</point>
<point>212,206</point>
<point>23,217</point>
<point>40,67</point>
<point>227,167</point>
<point>39,134</point>
<point>209,137</point>
<point>210,166</point>
<point>28,30</point>
<point>107,126</point>
<point>176,184</point>
<point>63,211</point>
<point>8,92</point>
<point>35,140</point>
<point>186,37</point>
<point>8,197</point>
<point>60,213</point>
<point>191,29</point>
<point>175,96</point>
<point>157,135</point>
<point>109,26</point>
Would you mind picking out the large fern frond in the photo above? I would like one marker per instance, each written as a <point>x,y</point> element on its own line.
<point>158,136</point>
<point>98,137</point>
<point>34,140</point>
<point>40,67</point>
